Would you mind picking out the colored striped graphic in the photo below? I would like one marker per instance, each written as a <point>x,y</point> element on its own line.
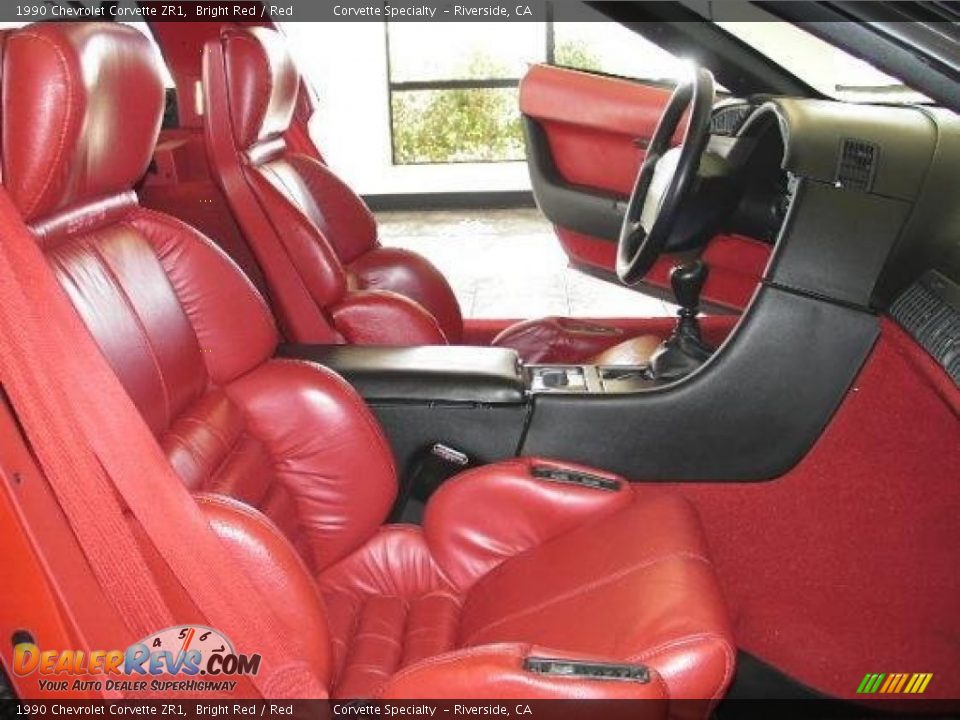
<point>894,683</point>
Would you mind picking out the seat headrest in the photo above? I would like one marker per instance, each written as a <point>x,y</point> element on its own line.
<point>81,111</point>
<point>262,83</point>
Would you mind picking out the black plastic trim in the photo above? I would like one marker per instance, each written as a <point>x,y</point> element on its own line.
<point>750,413</point>
<point>486,433</point>
<point>572,207</point>
<point>835,241</point>
<point>757,679</point>
<point>494,200</point>
<point>587,669</point>
<point>451,374</point>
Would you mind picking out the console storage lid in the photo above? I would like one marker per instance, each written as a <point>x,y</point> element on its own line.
<point>427,373</point>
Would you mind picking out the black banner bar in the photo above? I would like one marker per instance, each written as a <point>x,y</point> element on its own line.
<point>178,708</point>
<point>362,10</point>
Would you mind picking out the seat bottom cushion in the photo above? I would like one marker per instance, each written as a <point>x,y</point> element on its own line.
<point>388,606</point>
<point>506,557</point>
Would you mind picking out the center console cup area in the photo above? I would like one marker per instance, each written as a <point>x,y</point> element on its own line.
<point>588,378</point>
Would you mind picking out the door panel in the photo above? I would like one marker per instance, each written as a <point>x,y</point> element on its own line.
<point>586,136</point>
<point>591,123</point>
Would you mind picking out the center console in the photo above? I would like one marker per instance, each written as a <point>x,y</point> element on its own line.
<point>475,399</point>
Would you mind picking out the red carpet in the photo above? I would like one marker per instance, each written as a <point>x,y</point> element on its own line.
<point>850,563</point>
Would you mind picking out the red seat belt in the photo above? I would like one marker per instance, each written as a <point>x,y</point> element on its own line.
<point>96,451</point>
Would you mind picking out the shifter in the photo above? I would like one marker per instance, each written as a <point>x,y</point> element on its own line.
<point>685,350</point>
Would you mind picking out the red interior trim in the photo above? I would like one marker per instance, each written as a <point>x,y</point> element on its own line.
<point>848,563</point>
<point>737,264</point>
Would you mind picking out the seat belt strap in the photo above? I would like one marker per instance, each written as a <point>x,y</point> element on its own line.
<point>97,450</point>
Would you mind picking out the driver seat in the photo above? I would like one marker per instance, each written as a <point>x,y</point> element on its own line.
<point>329,278</point>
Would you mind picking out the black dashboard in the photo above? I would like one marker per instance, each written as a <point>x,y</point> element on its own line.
<point>869,181</point>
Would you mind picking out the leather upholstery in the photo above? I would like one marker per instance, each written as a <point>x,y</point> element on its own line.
<point>568,340</point>
<point>296,476</point>
<point>636,351</point>
<point>388,606</point>
<point>333,208</point>
<point>495,672</point>
<point>294,304</point>
<point>405,272</point>
<point>307,228</point>
<point>79,146</point>
<point>505,557</point>
<point>592,122</point>
<point>381,317</point>
<point>259,548</point>
<point>315,239</point>
<point>186,332</point>
<point>263,84</point>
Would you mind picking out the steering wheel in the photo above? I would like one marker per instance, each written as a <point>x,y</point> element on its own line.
<point>665,178</point>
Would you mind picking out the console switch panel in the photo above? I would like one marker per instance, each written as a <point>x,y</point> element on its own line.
<point>574,477</point>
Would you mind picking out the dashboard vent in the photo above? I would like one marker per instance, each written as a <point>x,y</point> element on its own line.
<point>727,120</point>
<point>930,311</point>
<point>857,165</point>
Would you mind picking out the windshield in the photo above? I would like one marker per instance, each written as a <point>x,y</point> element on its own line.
<point>824,67</point>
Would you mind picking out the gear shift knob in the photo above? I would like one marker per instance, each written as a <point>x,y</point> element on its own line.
<point>685,350</point>
<point>687,282</point>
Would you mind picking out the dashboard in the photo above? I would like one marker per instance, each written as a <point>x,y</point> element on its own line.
<point>858,200</point>
<point>855,197</point>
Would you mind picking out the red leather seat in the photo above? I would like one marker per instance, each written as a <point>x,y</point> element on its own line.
<point>292,467</point>
<point>329,277</point>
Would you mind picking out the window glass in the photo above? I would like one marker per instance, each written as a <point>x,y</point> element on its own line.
<point>610,48</point>
<point>451,88</point>
<point>829,69</point>
<point>463,51</point>
<point>456,125</point>
<point>457,102</point>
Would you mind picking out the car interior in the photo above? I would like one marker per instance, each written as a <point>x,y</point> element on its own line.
<point>226,403</point>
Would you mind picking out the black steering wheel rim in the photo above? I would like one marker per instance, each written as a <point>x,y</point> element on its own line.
<point>639,246</point>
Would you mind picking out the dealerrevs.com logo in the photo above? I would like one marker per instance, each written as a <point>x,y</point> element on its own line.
<point>190,658</point>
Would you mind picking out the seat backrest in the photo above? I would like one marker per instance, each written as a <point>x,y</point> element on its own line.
<point>184,330</point>
<point>174,318</point>
<point>168,309</point>
<point>302,222</point>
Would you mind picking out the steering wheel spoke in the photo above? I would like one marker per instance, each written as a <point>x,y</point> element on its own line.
<point>666,177</point>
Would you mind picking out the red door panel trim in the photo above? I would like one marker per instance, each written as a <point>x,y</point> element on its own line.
<point>593,101</point>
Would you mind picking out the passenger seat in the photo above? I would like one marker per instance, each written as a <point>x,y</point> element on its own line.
<point>316,241</point>
<point>520,571</point>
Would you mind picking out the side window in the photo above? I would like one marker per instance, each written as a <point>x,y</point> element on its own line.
<point>610,48</point>
<point>458,103</point>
